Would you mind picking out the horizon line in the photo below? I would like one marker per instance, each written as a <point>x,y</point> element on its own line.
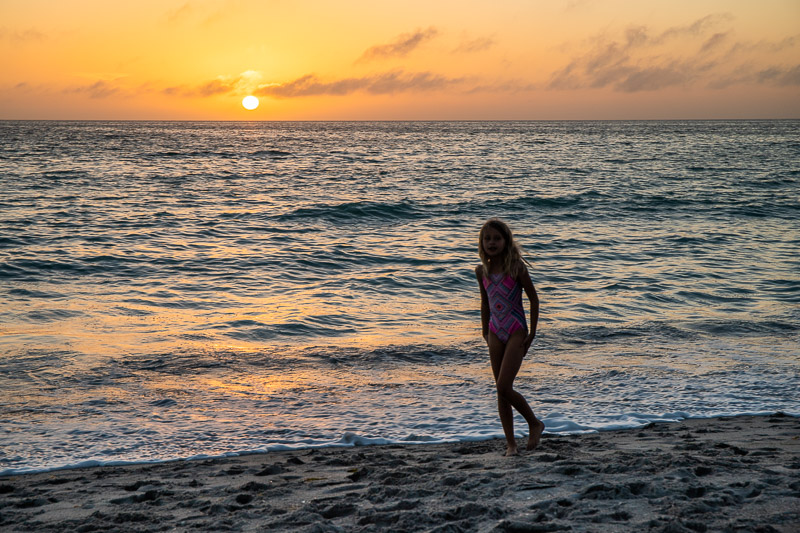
<point>403,120</point>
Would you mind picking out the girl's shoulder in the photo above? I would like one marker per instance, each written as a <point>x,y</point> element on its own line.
<point>479,270</point>
<point>523,277</point>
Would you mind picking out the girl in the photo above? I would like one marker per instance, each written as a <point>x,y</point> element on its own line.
<point>501,277</point>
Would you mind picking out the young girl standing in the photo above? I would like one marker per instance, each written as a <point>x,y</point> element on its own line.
<point>502,277</point>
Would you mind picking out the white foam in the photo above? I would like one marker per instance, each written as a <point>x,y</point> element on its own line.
<point>554,424</point>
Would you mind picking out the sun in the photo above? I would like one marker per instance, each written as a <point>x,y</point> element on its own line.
<point>250,102</point>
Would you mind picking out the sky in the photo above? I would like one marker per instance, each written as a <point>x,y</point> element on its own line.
<point>410,60</point>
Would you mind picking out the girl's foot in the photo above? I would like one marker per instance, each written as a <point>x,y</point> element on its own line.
<point>511,451</point>
<point>536,434</point>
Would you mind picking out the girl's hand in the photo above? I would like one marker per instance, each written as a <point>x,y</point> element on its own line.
<point>528,341</point>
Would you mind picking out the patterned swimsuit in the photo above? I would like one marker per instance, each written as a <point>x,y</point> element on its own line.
<point>505,304</point>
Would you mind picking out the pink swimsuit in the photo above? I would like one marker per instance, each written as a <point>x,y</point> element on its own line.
<point>505,305</point>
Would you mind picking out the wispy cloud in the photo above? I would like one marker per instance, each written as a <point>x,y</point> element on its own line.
<point>98,89</point>
<point>514,86</point>
<point>789,76</point>
<point>21,36</point>
<point>198,14</point>
<point>242,83</point>
<point>214,87</point>
<point>400,47</point>
<point>763,47</point>
<point>479,44</point>
<point>698,28</point>
<point>574,5</point>
<point>636,60</point>
<point>176,16</point>
<point>780,76</point>
<point>385,83</point>
<point>100,86</point>
<point>714,42</point>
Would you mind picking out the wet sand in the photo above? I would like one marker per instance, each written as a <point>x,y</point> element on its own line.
<point>726,474</point>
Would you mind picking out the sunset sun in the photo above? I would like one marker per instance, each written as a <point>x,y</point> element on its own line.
<point>250,102</point>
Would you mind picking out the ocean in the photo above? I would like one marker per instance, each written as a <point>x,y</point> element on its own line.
<point>174,290</point>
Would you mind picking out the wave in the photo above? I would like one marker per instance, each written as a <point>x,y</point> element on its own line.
<point>656,332</point>
<point>776,328</point>
<point>270,153</point>
<point>312,327</point>
<point>110,267</point>
<point>409,210</point>
<point>392,355</point>
<point>32,293</point>
<point>52,315</point>
<point>597,204</point>
<point>356,212</point>
<point>217,154</point>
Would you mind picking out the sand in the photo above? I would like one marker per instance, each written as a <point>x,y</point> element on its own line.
<point>726,474</point>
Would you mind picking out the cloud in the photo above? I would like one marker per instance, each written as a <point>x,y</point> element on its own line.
<point>641,60</point>
<point>698,28</point>
<point>245,82</point>
<point>31,35</point>
<point>401,47</point>
<point>176,16</point>
<point>99,89</point>
<point>714,42</point>
<point>204,90</point>
<point>508,86</point>
<point>475,45</point>
<point>781,76</point>
<point>105,88</point>
<point>764,47</point>
<point>379,84</point>
<point>651,78</point>
<point>215,87</point>
<point>249,82</point>
<point>575,5</point>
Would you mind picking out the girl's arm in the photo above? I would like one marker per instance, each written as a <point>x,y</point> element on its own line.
<point>484,303</point>
<point>525,280</point>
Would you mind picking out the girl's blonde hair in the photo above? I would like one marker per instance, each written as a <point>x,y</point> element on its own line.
<point>511,257</point>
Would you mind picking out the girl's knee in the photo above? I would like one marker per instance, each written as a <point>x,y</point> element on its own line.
<point>504,390</point>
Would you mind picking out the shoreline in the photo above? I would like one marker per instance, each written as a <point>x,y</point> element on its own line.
<point>354,441</point>
<point>740,473</point>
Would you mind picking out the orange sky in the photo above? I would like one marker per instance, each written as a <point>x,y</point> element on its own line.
<point>411,60</point>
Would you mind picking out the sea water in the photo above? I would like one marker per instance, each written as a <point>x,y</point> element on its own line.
<point>172,290</point>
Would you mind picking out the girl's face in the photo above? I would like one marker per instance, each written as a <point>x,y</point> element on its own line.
<point>493,242</point>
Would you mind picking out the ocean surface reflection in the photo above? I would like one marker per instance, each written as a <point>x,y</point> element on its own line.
<point>181,289</point>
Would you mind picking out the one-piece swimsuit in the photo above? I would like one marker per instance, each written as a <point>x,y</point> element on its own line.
<point>505,303</point>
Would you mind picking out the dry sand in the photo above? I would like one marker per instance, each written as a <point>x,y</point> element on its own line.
<point>729,474</point>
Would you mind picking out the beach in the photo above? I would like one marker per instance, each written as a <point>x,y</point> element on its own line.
<point>722,474</point>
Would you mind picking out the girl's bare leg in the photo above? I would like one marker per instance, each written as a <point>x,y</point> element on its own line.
<point>496,355</point>
<point>506,362</point>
